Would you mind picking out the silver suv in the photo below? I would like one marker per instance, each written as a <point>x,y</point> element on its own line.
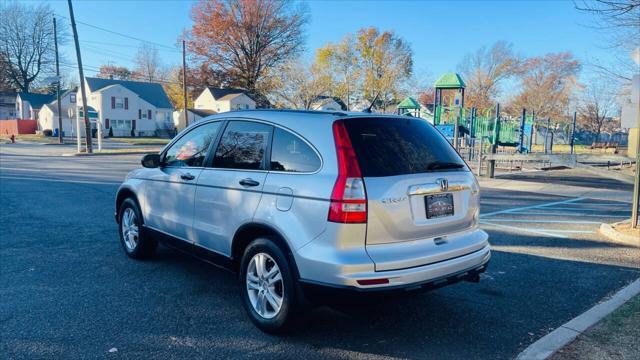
<point>300,200</point>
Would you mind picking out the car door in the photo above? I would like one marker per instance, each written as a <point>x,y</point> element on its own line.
<point>229,190</point>
<point>170,189</point>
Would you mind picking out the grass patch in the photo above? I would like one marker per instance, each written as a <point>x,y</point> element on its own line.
<point>32,138</point>
<point>141,140</point>
<point>615,337</point>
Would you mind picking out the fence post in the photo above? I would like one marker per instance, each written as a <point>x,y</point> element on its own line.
<point>496,139</point>
<point>480,158</point>
<point>521,135</point>
<point>533,131</point>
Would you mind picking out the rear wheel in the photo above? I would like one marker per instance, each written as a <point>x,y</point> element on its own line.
<point>134,242</point>
<point>267,286</point>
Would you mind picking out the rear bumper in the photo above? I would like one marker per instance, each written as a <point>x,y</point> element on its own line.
<point>315,290</point>
<point>347,271</point>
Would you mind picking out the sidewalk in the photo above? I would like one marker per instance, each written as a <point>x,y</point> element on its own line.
<point>615,337</point>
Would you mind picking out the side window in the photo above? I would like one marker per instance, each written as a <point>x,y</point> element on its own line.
<point>290,153</point>
<point>243,146</point>
<point>191,149</point>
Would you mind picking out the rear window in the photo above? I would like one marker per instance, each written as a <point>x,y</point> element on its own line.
<point>393,146</point>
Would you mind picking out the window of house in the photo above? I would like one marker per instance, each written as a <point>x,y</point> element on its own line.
<point>290,153</point>
<point>243,146</point>
<point>119,104</point>
<point>72,98</point>
<point>120,124</point>
<point>191,149</point>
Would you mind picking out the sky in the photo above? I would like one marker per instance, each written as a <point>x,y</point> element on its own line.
<point>439,32</point>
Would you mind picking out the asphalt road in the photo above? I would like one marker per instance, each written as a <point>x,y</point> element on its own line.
<point>68,291</point>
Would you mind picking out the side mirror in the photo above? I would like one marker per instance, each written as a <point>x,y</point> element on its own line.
<point>151,160</point>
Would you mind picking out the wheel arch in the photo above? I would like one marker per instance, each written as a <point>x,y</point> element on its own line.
<point>251,231</point>
<point>125,193</point>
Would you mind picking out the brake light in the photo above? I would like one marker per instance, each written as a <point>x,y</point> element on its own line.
<point>349,197</point>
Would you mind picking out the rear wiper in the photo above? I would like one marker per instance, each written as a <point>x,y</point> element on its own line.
<point>444,165</point>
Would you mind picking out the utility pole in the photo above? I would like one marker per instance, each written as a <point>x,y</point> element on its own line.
<point>184,83</point>
<point>55,43</point>
<point>636,182</point>
<point>87,124</point>
<point>573,132</point>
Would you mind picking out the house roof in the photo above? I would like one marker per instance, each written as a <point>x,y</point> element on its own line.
<point>343,106</point>
<point>202,112</point>
<point>408,103</point>
<point>152,93</point>
<point>450,81</point>
<point>36,100</point>
<point>220,93</point>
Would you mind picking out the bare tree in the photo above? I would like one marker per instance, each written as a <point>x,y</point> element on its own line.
<point>245,38</point>
<point>484,70</point>
<point>597,106</point>
<point>547,83</point>
<point>299,86</point>
<point>619,20</point>
<point>148,64</point>
<point>26,43</point>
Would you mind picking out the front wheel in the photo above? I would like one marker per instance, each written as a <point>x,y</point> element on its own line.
<point>134,242</point>
<point>267,286</point>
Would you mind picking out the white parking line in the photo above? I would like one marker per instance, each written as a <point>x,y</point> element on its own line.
<point>545,221</point>
<point>583,209</point>
<point>532,207</point>
<point>520,229</point>
<point>568,214</point>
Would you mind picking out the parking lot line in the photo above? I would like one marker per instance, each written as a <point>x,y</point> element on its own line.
<point>519,229</point>
<point>545,221</point>
<point>569,214</point>
<point>531,207</point>
<point>583,209</point>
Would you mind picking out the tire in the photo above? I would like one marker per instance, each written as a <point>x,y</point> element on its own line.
<point>269,319</point>
<point>135,242</point>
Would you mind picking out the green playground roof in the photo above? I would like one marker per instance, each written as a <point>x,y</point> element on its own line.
<point>409,103</point>
<point>450,81</point>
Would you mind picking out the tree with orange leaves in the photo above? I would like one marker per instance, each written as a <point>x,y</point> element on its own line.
<point>244,39</point>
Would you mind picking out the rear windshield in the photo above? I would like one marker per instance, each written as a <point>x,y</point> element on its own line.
<point>394,146</point>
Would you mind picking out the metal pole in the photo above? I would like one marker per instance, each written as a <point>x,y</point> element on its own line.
<point>496,139</point>
<point>455,131</point>
<point>480,158</point>
<point>184,83</point>
<point>78,140</point>
<point>533,130</point>
<point>636,186</point>
<point>546,135</point>
<point>521,135</point>
<point>87,124</point>
<point>55,43</point>
<point>573,132</point>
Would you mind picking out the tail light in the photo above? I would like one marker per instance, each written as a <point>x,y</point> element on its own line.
<point>349,196</point>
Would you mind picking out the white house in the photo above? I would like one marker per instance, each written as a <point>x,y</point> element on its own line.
<point>127,106</point>
<point>328,103</point>
<point>48,116</point>
<point>28,105</point>
<point>7,105</point>
<point>222,100</point>
<point>195,115</point>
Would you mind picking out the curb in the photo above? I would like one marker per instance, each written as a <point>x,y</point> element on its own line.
<point>558,338</point>
<point>112,154</point>
<point>612,234</point>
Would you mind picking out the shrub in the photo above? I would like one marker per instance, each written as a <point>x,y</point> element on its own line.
<point>47,132</point>
<point>133,133</point>
<point>110,131</point>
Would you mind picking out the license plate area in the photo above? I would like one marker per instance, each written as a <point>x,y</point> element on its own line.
<point>438,205</point>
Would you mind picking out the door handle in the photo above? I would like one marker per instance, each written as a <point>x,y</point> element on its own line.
<point>187,176</point>
<point>249,182</point>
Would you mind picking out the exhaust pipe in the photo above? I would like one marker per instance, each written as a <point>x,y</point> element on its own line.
<point>474,278</point>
